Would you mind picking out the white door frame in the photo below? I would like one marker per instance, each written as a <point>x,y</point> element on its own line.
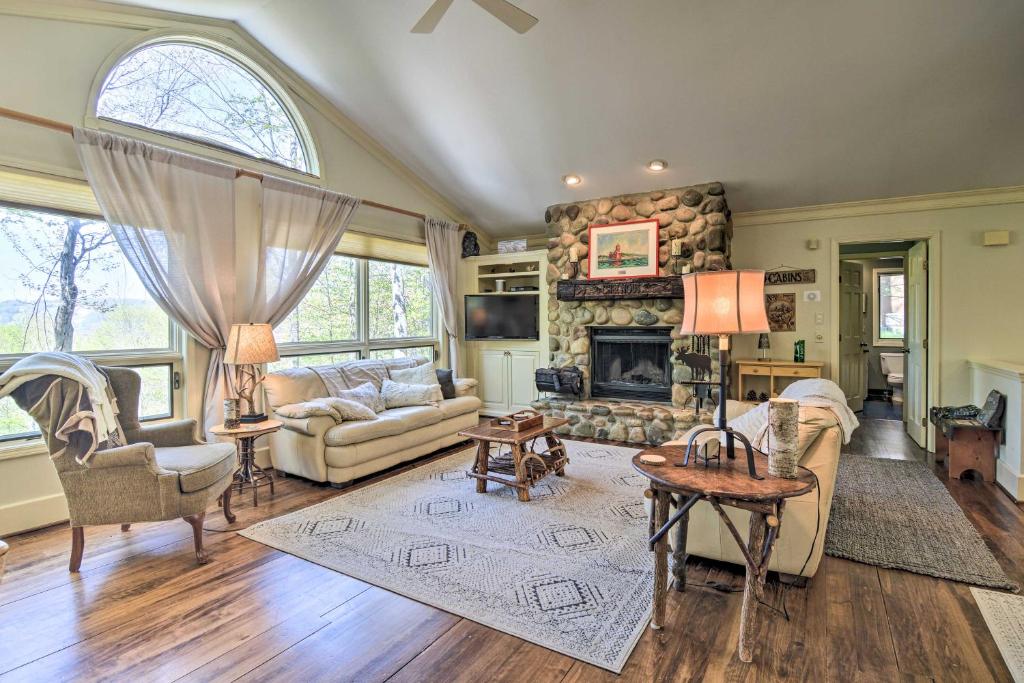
<point>934,340</point>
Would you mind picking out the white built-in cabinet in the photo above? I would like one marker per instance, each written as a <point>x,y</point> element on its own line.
<point>507,380</point>
<point>505,369</point>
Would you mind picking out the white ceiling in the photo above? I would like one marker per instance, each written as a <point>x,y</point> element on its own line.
<point>787,103</point>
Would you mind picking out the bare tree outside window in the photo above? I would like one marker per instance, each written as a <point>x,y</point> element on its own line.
<point>194,92</point>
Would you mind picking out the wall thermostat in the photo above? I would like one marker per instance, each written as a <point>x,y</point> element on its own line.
<point>813,295</point>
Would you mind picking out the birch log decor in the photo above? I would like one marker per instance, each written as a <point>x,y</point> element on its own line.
<point>783,437</point>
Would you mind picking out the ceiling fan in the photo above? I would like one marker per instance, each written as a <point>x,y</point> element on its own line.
<point>513,17</point>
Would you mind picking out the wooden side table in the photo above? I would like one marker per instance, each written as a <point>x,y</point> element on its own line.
<point>774,370</point>
<point>245,439</point>
<point>729,485</point>
<point>523,467</point>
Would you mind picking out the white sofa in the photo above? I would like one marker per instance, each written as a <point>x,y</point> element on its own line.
<point>805,517</point>
<point>320,449</point>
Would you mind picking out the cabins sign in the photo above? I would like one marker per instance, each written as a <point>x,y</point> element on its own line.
<point>790,277</point>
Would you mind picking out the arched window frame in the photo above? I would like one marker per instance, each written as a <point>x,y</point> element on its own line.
<point>264,74</point>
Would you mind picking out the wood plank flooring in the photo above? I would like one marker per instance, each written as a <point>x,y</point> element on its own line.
<point>142,610</point>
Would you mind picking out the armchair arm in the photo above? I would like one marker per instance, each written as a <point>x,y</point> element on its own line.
<point>133,455</point>
<point>465,386</point>
<point>310,426</point>
<point>165,434</point>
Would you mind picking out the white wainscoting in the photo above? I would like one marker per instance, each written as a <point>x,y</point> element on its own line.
<point>1007,378</point>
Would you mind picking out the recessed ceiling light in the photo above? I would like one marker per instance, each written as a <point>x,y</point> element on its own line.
<point>657,165</point>
<point>572,180</point>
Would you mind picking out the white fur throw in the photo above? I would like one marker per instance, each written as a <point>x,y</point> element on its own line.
<point>398,395</point>
<point>338,409</point>
<point>421,374</point>
<point>366,394</point>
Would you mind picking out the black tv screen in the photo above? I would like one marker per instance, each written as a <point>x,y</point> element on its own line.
<point>501,317</point>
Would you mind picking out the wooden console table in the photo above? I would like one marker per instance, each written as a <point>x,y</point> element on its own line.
<point>728,484</point>
<point>523,467</point>
<point>773,370</point>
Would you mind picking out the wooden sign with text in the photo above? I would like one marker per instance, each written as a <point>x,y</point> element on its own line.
<point>790,277</point>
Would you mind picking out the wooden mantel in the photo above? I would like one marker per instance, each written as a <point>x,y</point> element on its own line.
<point>670,287</point>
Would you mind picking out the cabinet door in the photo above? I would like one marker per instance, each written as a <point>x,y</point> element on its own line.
<point>522,378</point>
<point>494,381</point>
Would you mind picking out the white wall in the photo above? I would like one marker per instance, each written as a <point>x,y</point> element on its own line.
<point>49,69</point>
<point>980,291</point>
<point>1007,378</point>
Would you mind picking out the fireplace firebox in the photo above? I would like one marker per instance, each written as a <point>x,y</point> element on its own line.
<point>631,363</point>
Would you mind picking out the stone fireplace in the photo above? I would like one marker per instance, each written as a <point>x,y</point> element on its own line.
<point>642,394</point>
<point>631,363</point>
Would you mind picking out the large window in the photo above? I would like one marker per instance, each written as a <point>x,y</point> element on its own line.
<point>65,286</point>
<point>194,91</point>
<point>361,308</point>
<point>889,313</point>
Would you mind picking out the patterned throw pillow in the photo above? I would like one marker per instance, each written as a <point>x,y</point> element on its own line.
<point>398,395</point>
<point>348,411</point>
<point>421,374</point>
<point>366,394</point>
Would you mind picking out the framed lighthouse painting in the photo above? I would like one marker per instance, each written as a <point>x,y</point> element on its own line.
<point>622,250</point>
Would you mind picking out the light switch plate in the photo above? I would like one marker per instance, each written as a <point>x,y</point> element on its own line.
<point>819,318</point>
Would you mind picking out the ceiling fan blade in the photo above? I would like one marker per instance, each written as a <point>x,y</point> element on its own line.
<point>513,17</point>
<point>428,22</point>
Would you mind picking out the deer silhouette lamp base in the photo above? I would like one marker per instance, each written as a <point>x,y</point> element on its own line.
<point>729,435</point>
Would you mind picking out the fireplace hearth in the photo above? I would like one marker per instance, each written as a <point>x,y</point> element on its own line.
<point>631,363</point>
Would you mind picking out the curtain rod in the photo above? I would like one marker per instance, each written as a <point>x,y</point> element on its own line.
<point>239,172</point>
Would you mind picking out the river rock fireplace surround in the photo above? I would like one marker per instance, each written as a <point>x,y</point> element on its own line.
<point>588,319</point>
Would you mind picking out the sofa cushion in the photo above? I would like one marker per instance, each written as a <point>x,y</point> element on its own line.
<point>199,466</point>
<point>398,395</point>
<point>388,423</point>
<point>459,406</point>
<point>293,385</point>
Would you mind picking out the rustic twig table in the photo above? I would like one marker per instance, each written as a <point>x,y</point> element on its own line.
<point>522,466</point>
<point>729,484</point>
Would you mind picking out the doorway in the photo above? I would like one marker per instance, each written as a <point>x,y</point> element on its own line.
<point>882,345</point>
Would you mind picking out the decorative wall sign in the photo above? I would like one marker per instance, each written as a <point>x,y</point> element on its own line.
<point>623,250</point>
<point>790,277</point>
<point>781,309</point>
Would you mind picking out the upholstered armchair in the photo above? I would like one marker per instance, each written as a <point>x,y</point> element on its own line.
<point>163,473</point>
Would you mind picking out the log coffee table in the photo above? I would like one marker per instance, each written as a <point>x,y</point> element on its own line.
<point>728,484</point>
<point>522,466</point>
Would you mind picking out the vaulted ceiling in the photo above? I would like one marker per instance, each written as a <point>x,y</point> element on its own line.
<point>787,103</point>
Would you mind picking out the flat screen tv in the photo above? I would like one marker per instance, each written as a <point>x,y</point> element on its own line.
<point>491,316</point>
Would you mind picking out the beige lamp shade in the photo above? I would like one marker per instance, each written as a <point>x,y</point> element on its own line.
<point>251,344</point>
<point>724,302</point>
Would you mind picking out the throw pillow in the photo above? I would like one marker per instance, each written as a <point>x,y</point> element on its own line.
<point>444,378</point>
<point>306,409</point>
<point>421,374</point>
<point>366,394</point>
<point>398,395</point>
<point>350,410</point>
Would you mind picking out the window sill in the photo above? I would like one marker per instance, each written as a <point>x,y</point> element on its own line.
<point>22,449</point>
<point>890,343</point>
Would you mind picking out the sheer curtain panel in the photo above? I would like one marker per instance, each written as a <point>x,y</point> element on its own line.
<point>443,250</point>
<point>173,216</point>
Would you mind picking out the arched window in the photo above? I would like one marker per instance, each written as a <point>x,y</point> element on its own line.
<point>194,91</point>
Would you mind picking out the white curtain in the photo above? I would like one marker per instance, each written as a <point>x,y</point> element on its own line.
<point>443,250</point>
<point>301,227</point>
<point>173,216</point>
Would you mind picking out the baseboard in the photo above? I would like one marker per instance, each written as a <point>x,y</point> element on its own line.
<point>1009,481</point>
<point>26,515</point>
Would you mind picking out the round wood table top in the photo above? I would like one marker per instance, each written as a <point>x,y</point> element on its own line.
<point>248,429</point>
<point>728,480</point>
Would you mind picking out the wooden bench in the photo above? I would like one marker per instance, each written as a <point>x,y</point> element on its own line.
<point>971,443</point>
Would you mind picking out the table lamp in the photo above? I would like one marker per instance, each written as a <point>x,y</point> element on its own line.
<point>764,345</point>
<point>249,346</point>
<point>723,302</point>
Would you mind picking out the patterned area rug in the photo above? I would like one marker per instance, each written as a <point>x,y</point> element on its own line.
<point>570,570</point>
<point>1004,616</point>
<point>897,514</point>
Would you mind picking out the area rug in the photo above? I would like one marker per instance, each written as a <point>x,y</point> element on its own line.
<point>897,514</point>
<point>570,570</point>
<point>1004,616</point>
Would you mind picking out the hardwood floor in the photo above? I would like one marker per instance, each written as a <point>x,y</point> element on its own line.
<point>142,610</point>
